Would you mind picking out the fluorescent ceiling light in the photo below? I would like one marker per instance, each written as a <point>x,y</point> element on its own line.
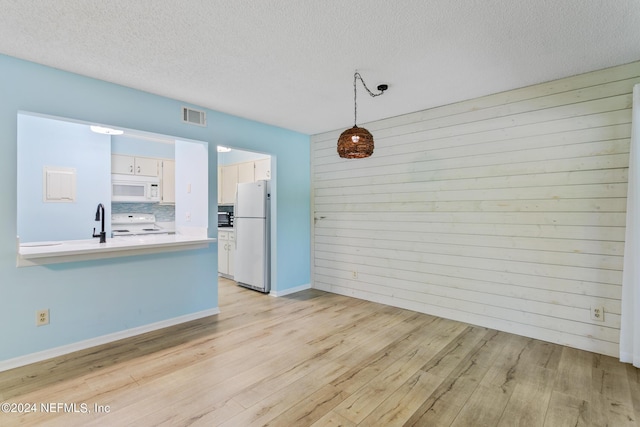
<point>106,131</point>
<point>222,149</point>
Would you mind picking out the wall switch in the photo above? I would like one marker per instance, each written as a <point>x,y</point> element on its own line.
<point>597,313</point>
<point>188,188</point>
<point>187,216</point>
<point>42,317</point>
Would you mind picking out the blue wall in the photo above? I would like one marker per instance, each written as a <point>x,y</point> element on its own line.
<point>94,298</point>
<point>47,142</point>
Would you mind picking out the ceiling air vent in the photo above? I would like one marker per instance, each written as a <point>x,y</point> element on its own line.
<point>195,117</point>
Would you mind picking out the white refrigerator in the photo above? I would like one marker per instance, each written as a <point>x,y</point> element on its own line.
<point>252,236</point>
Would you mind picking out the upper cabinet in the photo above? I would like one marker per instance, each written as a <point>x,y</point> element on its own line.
<point>245,172</point>
<point>168,181</point>
<point>262,169</point>
<point>129,165</point>
<point>229,176</point>
<point>228,183</point>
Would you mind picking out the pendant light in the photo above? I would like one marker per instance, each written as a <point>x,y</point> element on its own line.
<point>357,142</point>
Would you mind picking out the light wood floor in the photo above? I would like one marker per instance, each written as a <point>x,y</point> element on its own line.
<point>320,359</point>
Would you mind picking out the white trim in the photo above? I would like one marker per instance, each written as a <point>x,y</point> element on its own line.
<point>290,290</point>
<point>630,303</point>
<point>16,362</point>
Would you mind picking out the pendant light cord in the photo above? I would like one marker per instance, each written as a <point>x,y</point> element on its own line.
<point>355,96</point>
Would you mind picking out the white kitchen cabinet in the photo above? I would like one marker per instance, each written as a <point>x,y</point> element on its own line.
<point>130,165</point>
<point>122,164</point>
<point>262,169</point>
<point>219,185</point>
<point>229,182</point>
<point>229,176</point>
<point>146,167</point>
<point>168,182</point>
<point>226,253</point>
<point>246,172</point>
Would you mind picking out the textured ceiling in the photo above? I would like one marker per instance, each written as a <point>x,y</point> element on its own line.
<point>290,63</point>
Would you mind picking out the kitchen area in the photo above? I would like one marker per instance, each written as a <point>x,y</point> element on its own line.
<point>144,203</point>
<point>86,193</point>
<point>143,194</point>
<point>244,217</point>
<point>151,192</point>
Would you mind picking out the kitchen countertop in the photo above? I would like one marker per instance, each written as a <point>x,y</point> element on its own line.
<point>169,227</point>
<point>38,253</point>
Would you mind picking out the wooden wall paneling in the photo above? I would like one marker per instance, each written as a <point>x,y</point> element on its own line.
<point>506,211</point>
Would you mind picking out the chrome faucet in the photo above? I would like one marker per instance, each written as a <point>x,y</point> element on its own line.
<point>102,235</point>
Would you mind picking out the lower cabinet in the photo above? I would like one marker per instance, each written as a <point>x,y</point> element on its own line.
<point>226,253</point>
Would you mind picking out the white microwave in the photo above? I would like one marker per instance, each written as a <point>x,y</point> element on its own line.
<point>134,189</point>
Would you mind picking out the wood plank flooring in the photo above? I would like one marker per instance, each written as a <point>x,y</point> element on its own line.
<point>320,359</point>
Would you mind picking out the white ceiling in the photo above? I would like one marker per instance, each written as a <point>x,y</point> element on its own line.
<point>290,63</point>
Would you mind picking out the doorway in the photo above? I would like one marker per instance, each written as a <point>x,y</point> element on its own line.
<point>241,167</point>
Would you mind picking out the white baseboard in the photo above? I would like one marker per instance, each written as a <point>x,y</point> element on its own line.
<point>290,290</point>
<point>16,362</point>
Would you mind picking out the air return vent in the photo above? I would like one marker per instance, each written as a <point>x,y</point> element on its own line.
<point>194,117</point>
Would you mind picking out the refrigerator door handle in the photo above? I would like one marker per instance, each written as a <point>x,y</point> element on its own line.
<point>235,223</point>
<point>235,201</point>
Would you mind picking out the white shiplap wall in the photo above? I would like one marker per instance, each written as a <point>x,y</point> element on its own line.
<point>506,211</point>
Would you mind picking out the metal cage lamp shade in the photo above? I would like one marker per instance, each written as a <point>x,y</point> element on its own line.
<point>357,142</point>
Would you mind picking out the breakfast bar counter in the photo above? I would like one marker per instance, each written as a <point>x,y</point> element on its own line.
<point>53,252</point>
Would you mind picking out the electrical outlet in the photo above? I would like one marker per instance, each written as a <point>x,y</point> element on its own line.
<point>188,216</point>
<point>354,275</point>
<point>42,317</point>
<point>597,313</point>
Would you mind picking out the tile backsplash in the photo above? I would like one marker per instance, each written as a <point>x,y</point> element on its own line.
<point>163,213</point>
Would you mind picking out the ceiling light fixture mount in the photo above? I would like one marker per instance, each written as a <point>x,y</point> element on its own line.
<point>357,142</point>
<point>105,131</point>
